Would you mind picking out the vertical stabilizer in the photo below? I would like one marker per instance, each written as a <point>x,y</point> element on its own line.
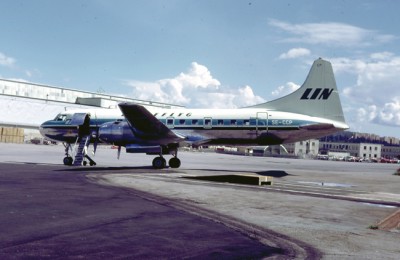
<point>318,96</point>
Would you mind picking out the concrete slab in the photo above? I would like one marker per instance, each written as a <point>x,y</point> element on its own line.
<point>50,212</point>
<point>308,205</point>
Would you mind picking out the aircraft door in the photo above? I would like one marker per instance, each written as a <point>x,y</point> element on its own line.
<point>82,120</point>
<point>261,123</point>
<point>78,119</point>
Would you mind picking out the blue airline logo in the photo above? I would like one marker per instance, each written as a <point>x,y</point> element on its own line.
<point>317,93</point>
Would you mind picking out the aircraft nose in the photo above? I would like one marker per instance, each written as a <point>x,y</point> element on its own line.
<point>42,128</point>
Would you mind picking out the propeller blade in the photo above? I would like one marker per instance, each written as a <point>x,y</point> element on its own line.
<point>119,152</point>
<point>95,135</point>
<point>95,146</point>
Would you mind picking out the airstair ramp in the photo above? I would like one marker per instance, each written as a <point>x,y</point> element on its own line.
<point>81,150</point>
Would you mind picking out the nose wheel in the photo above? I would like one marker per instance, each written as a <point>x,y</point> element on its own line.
<point>68,160</point>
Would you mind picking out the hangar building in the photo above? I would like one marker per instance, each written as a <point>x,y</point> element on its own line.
<point>26,105</point>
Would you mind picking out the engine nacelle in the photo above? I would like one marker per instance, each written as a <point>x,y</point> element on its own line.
<point>117,132</point>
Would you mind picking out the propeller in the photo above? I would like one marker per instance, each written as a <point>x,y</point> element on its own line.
<point>95,135</point>
<point>119,152</point>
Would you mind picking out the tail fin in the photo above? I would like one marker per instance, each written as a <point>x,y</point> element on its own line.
<point>318,96</point>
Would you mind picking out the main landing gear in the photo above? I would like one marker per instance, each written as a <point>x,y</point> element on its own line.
<point>160,162</point>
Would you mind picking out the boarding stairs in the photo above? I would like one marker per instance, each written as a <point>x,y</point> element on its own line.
<point>81,148</point>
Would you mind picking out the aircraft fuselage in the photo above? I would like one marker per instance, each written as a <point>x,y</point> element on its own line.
<point>247,126</point>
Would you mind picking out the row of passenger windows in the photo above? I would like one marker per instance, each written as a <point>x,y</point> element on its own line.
<point>213,122</point>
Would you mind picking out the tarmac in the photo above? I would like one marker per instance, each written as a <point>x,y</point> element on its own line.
<point>125,209</point>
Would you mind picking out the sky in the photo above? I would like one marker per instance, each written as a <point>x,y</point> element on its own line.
<point>210,53</point>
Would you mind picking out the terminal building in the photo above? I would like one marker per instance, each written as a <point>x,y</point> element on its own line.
<point>361,150</point>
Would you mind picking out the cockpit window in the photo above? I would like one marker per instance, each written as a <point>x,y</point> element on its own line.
<point>61,117</point>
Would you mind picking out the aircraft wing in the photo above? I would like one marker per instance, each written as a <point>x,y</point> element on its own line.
<point>145,125</point>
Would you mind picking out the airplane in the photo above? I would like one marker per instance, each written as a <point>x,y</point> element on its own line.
<point>312,111</point>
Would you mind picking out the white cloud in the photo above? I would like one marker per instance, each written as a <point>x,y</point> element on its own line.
<point>382,55</point>
<point>375,97</point>
<point>336,34</point>
<point>377,79</point>
<point>285,89</point>
<point>390,113</point>
<point>28,73</point>
<point>366,114</point>
<point>6,61</point>
<point>295,53</point>
<point>195,88</point>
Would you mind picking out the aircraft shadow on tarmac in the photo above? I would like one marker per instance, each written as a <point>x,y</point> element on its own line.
<point>105,169</point>
<point>272,173</point>
<point>275,174</point>
<point>149,169</point>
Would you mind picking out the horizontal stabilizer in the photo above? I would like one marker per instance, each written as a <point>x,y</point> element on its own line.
<point>317,127</point>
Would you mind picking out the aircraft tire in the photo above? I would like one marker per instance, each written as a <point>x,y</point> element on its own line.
<point>174,162</point>
<point>159,163</point>
<point>68,160</point>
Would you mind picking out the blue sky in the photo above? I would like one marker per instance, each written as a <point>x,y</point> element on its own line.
<point>220,54</point>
